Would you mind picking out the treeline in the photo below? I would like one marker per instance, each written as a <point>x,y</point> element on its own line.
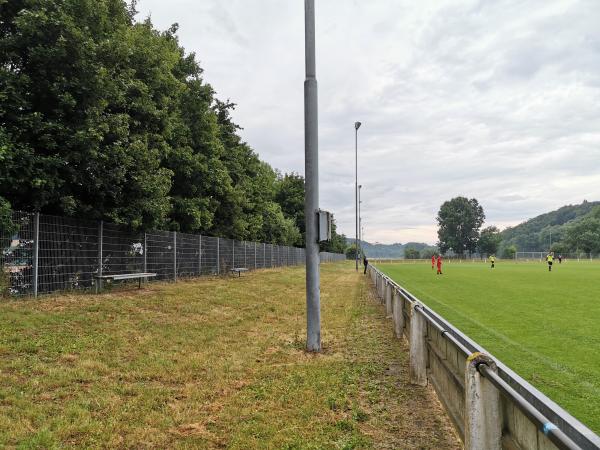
<point>569,229</point>
<point>103,117</point>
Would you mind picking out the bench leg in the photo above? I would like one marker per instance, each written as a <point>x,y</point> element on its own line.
<point>140,283</point>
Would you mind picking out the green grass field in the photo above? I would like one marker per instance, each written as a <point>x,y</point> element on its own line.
<point>545,326</point>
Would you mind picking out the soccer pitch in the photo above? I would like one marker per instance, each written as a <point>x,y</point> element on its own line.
<point>544,325</point>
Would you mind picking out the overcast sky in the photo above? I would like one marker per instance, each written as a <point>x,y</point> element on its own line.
<point>497,100</point>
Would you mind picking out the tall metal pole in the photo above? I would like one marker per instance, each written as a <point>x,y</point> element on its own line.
<point>311,202</point>
<point>359,247</point>
<point>356,127</point>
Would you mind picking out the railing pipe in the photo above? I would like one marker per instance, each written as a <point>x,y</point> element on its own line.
<point>560,439</point>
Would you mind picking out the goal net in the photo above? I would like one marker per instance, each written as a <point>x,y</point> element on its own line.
<point>530,256</point>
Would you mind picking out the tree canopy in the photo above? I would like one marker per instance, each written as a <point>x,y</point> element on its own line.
<point>103,117</point>
<point>489,240</point>
<point>412,253</point>
<point>459,222</point>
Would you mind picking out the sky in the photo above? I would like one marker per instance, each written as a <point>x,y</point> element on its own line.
<point>491,99</point>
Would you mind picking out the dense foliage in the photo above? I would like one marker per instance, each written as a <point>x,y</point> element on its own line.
<point>459,221</point>
<point>103,117</point>
<point>412,253</point>
<point>570,228</point>
<point>489,241</point>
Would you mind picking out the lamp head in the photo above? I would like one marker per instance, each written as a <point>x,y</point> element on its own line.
<point>357,125</point>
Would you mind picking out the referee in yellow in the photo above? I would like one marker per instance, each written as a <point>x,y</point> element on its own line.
<point>492,260</point>
<point>549,260</point>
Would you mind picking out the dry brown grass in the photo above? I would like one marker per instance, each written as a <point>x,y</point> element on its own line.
<point>211,363</point>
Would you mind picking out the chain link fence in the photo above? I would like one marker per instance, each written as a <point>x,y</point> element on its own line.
<point>44,254</point>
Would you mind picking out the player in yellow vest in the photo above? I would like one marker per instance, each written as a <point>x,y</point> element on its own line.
<point>492,260</point>
<point>549,260</point>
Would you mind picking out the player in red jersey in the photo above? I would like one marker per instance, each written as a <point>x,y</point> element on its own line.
<point>439,265</point>
<point>432,261</point>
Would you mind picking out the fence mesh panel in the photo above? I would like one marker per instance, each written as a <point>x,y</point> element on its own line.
<point>160,257</point>
<point>17,254</point>
<point>68,253</point>
<point>72,253</point>
<point>188,255</point>
<point>209,259</point>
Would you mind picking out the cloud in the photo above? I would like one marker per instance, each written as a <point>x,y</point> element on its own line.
<point>497,100</point>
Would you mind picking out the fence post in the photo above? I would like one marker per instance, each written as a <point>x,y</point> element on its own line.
<point>264,255</point>
<point>397,306</point>
<point>232,253</point>
<point>418,347</point>
<point>388,299</point>
<point>100,243</point>
<point>218,259</point>
<point>145,255</point>
<point>483,417</point>
<point>255,266</point>
<point>175,256</point>
<point>199,254</point>
<point>245,254</point>
<point>36,252</point>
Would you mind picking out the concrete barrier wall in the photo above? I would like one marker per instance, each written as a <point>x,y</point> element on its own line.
<point>497,411</point>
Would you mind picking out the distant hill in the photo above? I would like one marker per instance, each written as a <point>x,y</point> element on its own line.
<point>388,250</point>
<point>537,234</point>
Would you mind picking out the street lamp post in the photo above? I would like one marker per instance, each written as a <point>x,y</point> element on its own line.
<point>311,200</point>
<point>359,247</point>
<point>356,127</point>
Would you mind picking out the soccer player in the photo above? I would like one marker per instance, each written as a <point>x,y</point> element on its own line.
<point>549,259</point>
<point>439,265</point>
<point>559,258</point>
<point>432,261</point>
<point>492,260</point>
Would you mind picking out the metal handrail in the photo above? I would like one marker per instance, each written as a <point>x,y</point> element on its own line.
<point>560,439</point>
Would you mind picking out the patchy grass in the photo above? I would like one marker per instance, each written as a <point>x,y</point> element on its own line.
<point>543,325</point>
<point>211,363</point>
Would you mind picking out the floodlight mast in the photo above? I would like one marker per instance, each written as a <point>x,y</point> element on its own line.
<point>311,201</point>
<point>359,221</point>
<point>356,127</point>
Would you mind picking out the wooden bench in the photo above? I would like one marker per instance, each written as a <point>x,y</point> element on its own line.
<point>125,276</point>
<point>239,270</point>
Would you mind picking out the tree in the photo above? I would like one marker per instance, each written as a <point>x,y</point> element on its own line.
<point>351,252</point>
<point>459,222</point>
<point>428,252</point>
<point>277,229</point>
<point>489,241</point>
<point>559,247</point>
<point>289,193</point>
<point>411,253</point>
<point>102,117</point>
<point>84,123</point>
<point>509,252</point>
<point>6,225</point>
<point>584,235</point>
